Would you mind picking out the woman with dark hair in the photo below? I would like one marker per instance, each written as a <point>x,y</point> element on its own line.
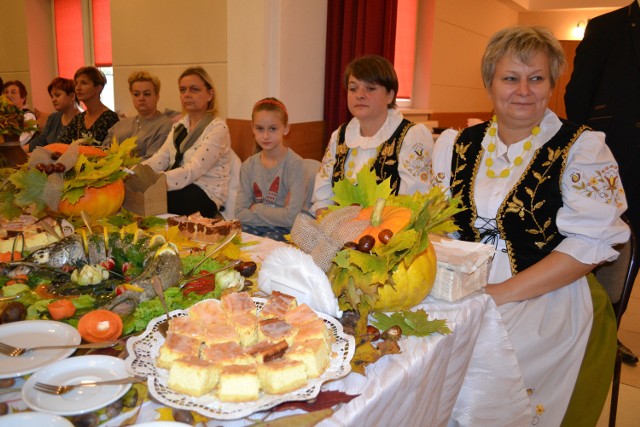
<point>16,93</point>
<point>196,156</point>
<point>378,137</point>
<point>63,98</point>
<point>95,121</point>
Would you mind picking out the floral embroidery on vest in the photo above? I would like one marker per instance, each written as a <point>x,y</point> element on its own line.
<point>386,161</point>
<point>526,217</point>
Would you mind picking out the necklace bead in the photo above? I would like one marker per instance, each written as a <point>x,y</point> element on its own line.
<point>491,148</point>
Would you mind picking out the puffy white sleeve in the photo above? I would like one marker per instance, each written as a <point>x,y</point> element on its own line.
<point>323,186</point>
<point>441,162</point>
<point>593,200</point>
<point>415,160</point>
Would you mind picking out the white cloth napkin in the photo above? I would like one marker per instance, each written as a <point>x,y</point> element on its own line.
<point>293,272</point>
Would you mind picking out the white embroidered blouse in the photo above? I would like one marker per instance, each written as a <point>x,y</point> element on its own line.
<point>592,194</point>
<point>414,160</point>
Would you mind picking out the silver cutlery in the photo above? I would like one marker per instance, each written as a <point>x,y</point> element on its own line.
<point>9,350</point>
<point>62,389</point>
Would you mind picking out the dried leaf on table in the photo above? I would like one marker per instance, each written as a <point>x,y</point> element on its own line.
<point>309,419</point>
<point>324,400</point>
<point>411,322</point>
<point>365,354</point>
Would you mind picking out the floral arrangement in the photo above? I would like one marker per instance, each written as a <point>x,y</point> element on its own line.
<point>12,119</point>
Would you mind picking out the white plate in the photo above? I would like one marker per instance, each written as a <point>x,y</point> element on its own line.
<point>143,351</point>
<point>29,333</point>
<point>72,371</point>
<point>34,419</point>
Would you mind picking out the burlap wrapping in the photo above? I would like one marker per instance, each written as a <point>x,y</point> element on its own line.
<point>322,240</point>
<point>53,189</point>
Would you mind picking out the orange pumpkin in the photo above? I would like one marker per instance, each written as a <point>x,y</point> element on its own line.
<point>98,202</point>
<point>87,150</point>
<point>382,217</point>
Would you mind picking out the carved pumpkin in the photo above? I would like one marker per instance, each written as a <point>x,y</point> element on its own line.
<point>98,202</point>
<point>409,285</point>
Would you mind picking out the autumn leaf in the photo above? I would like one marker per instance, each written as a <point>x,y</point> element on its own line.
<point>302,420</point>
<point>415,323</point>
<point>325,399</point>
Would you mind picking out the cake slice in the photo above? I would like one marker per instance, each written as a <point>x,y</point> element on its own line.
<point>265,351</point>
<point>246,325</point>
<point>237,302</point>
<point>300,315</point>
<point>313,353</point>
<point>278,305</point>
<point>186,326</point>
<point>208,312</point>
<point>192,376</point>
<point>274,330</point>
<point>315,329</point>
<point>282,376</point>
<point>218,333</point>
<point>175,347</point>
<point>224,354</point>
<point>238,383</point>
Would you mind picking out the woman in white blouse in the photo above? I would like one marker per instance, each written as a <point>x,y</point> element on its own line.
<point>378,136</point>
<point>548,195</point>
<point>196,157</point>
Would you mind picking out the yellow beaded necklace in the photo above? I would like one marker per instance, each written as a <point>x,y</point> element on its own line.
<point>491,148</point>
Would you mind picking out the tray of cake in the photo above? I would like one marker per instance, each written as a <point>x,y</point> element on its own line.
<point>229,358</point>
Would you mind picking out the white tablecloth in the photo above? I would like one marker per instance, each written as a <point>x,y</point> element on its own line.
<point>469,377</point>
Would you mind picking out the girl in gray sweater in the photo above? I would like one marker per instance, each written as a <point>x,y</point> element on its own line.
<point>272,184</point>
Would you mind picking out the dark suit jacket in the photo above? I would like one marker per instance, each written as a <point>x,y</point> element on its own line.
<point>604,90</point>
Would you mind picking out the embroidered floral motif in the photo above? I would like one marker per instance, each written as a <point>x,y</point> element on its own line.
<point>539,409</point>
<point>518,206</point>
<point>604,185</point>
<point>418,163</point>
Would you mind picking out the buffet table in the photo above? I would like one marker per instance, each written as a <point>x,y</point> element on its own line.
<point>436,381</point>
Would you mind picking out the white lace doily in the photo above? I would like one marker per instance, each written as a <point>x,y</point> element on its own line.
<point>143,351</point>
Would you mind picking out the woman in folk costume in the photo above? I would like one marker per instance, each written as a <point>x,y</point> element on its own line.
<point>548,195</point>
<point>378,136</point>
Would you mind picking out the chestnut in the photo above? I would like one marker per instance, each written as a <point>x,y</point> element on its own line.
<point>373,333</point>
<point>59,167</point>
<point>366,243</point>
<point>55,155</point>
<point>394,333</point>
<point>350,245</point>
<point>246,268</point>
<point>49,169</point>
<point>385,235</point>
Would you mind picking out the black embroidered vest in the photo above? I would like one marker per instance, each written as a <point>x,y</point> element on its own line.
<point>386,163</point>
<point>526,217</point>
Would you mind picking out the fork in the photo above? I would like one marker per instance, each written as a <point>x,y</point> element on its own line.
<point>62,389</point>
<point>9,350</point>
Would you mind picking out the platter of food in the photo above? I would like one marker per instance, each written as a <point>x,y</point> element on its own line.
<point>253,379</point>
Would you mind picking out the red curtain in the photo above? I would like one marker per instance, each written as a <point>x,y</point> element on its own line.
<point>101,32</point>
<point>354,28</point>
<point>69,36</point>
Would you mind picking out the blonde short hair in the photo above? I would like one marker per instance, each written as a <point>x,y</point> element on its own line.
<point>143,76</point>
<point>523,43</point>
<point>207,80</point>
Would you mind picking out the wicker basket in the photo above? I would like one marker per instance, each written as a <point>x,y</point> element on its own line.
<point>463,267</point>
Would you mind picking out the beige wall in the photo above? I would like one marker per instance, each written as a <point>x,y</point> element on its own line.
<point>158,36</point>
<point>14,52</point>
<point>563,22</point>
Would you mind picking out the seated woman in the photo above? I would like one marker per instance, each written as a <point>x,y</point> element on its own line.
<point>378,136</point>
<point>196,156</point>
<point>150,126</point>
<point>95,121</point>
<point>272,184</point>
<point>547,193</point>
<point>16,93</point>
<point>63,98</point>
